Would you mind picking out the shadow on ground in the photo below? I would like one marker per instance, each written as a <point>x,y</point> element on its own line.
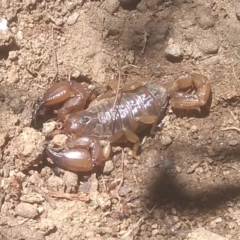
<point>167,189</point>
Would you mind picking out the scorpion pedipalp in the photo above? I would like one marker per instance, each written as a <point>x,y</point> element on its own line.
<point>61,92</point>
<point>73,159</point>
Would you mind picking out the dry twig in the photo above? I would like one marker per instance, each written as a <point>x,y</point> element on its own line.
<point>70,196</point>
<point>231,128</point>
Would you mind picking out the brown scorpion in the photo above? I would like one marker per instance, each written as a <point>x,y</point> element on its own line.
<point>92,130</point>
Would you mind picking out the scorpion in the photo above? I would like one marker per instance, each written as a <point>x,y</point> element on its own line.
<point>91,130</point>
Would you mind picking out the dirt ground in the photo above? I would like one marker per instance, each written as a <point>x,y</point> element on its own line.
<point>185,183</point>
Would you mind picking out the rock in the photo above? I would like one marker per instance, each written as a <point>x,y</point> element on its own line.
<point>166,140</point>
<point>108,167</point>
<point>232,35</point>
<point>46,226</point>
<point>48,127</point>
<point>21,232</point>
<point>141,7</point>
<point>6,39</point>
<point>152,157</point>
<point>111,6</point>
<point>178,169</point>
<point>204,18</point>
<point>203,234</point>
<point>13,74</point>
<point>56,183</point>
<point>71,6</point>
<point>19,35</point>
<point>72,18</point>
<point>16,105</point>
<point>174,52</point>
<point>193,167</point>
<point>3,137</point>
<point>26,210</point>
<point>71,181</point>
<point>27,148</point>
<point>124,190</point>
<point>208,43</point>
<point>12,55</point>
<point>233,143</point>
<point>194,129</point>
<point>215,222</point>
<point>32,198</point>
<point>154,226</point>
<point>104,202</point>
<point>155,232</point>
<point>59,140</point>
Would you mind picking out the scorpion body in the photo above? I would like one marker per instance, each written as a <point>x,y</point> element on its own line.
<point>103,120</point>
<point>114,118</point>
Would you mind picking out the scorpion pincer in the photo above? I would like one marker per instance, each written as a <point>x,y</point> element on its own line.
<point>91,131</point>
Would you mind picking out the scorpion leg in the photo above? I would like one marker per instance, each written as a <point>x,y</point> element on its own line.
<point>188,100</point>
<point>149,119</point>
<point>62,92</point>
<point>131,137</point>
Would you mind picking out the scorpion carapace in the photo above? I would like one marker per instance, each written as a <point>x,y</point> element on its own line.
<point>113,118</point>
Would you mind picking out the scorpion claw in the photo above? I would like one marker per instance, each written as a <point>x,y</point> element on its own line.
<point>77,160</point>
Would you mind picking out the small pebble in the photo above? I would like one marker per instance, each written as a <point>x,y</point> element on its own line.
<point>155,232</point>
<point>46,225</point>
<point>12,74</point>
<point>174,52</point>
<point>26,210</point>
<point>71,181</point>
<point>174,211</point>
<point>31,198</point>
<point>16,105</point>
<point>193,167</point>
<point>19,35</point>
<point>48,127</point>
<point>194,129</point>
<point>71,6</point>
<point>233,143</point>
<point>209,43</point>
<point>104,202</point>
<point>215,222</point>
<point>165,140</point>
<point>12,55</point>
<point>154,226</point>
<point>108,167</point>
<point>40,210</point>
<point>204,18</point>
<point>152,157</point>
<point>111,6</point>
<point>59,140</point>
<point>124,190</point>
<point>85,187</point>
<point>73,18</point>
<point>178,169</point>
<point>3,137</point>
<point>56,183</point>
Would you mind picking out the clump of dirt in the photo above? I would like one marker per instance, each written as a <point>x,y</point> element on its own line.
<point>185,183</point>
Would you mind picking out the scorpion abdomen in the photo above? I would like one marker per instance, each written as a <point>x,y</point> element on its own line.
<point>103,119</point>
